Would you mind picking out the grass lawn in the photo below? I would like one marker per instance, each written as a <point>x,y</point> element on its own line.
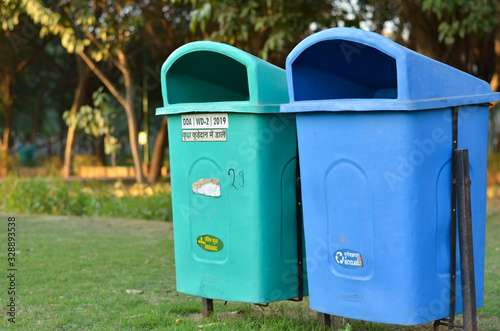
<point>74,273</point>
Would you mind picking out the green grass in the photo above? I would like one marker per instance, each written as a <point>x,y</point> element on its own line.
<point>51,195</point>
<point>490,313</point>
<point>73,274</point>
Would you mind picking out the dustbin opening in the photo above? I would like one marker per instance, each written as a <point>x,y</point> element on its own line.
<point>341,69</point>
<point>205,76</point>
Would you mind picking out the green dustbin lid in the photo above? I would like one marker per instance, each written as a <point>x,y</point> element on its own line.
<point>206,76</point>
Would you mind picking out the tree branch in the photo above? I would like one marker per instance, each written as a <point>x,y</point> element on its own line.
<point>99,45</point>
<point>21,65</point>
<point>104,79</point>
<point>92,39</point>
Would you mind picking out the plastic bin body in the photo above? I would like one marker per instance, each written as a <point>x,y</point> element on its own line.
<point>378,184</point>
<point>236,242</point>
<point>375,160</point>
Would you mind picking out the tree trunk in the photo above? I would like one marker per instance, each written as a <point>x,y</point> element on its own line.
<point>6,141</point>
<point>78,100</point>
<point>131,118</point>
<point>134,143</point>
<point>8,102</point>
<point>126,101</point>
<point>161,144</point>
<point>424,30</point>
<point>101,155</point>
<point>495,80</point>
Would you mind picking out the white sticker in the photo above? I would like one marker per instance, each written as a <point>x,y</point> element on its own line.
<point>348,258</point>
<point>204,135</point>
<point>205,121</point>
<point>207,186</point>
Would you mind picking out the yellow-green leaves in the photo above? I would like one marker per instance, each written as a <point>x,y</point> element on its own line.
<point>96,121</point>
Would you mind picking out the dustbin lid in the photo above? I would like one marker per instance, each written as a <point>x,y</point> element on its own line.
<point>349,69</point>
<point>205,76</point>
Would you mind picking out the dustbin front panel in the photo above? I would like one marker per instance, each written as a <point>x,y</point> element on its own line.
<point>376,199</point>
<point>234,208</point>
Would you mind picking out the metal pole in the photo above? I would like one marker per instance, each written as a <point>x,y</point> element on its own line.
<point>325,319</point>
<point>465,240</point>
<point>208,307</point>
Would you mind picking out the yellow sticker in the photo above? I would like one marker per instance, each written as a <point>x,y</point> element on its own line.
<point>210,243</point>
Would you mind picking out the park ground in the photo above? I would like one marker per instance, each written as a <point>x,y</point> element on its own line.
<point>87,273</point>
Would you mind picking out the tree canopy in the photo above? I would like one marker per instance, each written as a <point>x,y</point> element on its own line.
<point>58,51</point>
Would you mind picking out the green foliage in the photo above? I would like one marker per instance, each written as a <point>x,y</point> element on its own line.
<point>53,23</point>
<point>78,24</point>
<point>259,26</point>
<point>97,120</point>
<point>347,327</point>
<point>56,197</point>
<point>489,314</point>
<point>463,17</point>
<point>94,120</point>
<point>10,10</point>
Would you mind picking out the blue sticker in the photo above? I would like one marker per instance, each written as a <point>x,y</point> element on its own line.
<point>348,258</point>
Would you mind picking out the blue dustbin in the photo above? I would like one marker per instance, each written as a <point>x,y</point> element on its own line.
<point>374,126</point>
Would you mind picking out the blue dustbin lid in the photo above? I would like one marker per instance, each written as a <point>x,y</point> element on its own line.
<point>349,69</point>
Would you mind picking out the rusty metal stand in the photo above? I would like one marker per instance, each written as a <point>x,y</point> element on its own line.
<point>465,240</point>
<point>463,203</point>
<point>208,307</point>
<point>461,206</point>
<point>325,319</point>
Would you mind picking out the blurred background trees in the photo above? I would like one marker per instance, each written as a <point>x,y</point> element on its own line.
<point>57,54</point>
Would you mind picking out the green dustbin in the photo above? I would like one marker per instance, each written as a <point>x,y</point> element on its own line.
<point>233,174</point>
